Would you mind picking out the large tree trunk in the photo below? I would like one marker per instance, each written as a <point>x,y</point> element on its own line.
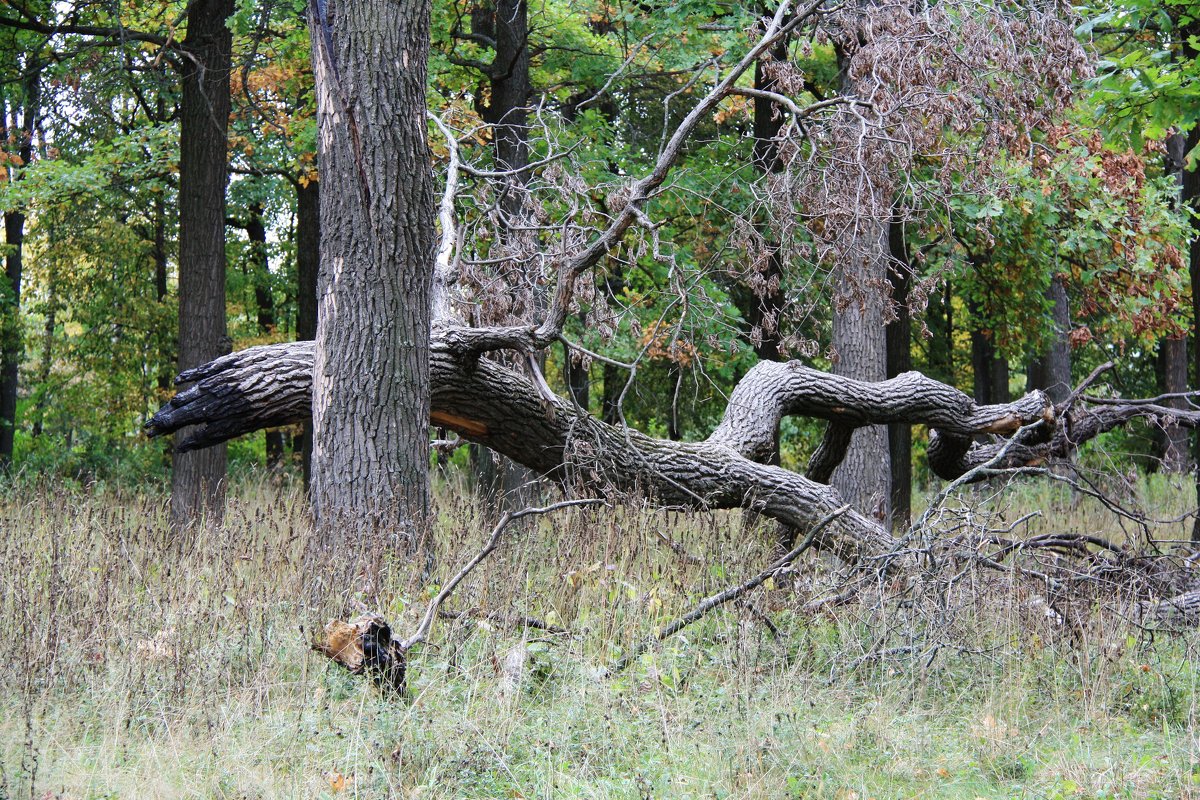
<point>864,477</point>
<point>494,405</point>
<point>371,377</point>
<point>10,295</point>
<point>860,314</point>
<point>198,479</point>
<point>308,265</point>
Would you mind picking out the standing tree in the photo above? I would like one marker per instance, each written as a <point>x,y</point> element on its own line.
<point>198,479</point>
<point>20,109</point>
<point>371,376</point>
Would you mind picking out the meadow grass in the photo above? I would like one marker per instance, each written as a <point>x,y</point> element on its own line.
<point>144,663</point>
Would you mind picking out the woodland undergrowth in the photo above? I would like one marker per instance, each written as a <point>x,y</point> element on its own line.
<point>142,663</point>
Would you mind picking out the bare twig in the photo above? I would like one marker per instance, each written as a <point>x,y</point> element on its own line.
<point>723,597</point>
<point>513,621</point>
<point>422,632</point>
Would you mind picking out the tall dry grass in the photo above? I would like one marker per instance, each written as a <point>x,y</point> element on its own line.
<point>144,662</point>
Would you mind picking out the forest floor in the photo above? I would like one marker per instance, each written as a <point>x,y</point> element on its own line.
<point>138,663</point>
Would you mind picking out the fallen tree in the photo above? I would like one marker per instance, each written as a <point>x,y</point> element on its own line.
<point>500,407</point>
<point>514,412</point>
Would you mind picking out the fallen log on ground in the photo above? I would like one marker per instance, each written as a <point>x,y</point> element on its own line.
<point>497,406</point>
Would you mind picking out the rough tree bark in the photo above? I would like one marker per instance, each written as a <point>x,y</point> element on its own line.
<point>1173,364</point>
<point>494,405</point>
<point>198,479</point>
<point>371,377</point>
<point>21,122</point>
<point>489,403</point>
<point>1190,196</point>
<point>859,339</point>
<point>1173,350</point>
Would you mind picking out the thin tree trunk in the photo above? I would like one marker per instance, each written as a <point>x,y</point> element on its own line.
<point>1190,194</point>
<point>1051,371</point>
<point>1173,350</point>
<point>308,265</point>
<point>11,349</point>
<point>1171,368</point>
<point>198,479</point>
<point>939,361</point>
<point>264,301</point>
<point>47,360</point>
<point>10,295</point>
<point>982,352</point>
<point>578,383</point>
<point>168,343</point>
<point>371,377</point>
<point>614,382</point>
<point>899,358</point>
<point>999,381</point>
<point>767,301</point>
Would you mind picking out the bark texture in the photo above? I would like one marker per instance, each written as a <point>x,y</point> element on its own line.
<point>1190,195</point>
<point>864,477</point>
<point>899,360</point>
<point>496,406</point>
<point>198,479</point>
<point>859,317</point>
<point>1172,351</point>
<point>489,403</point>
<point>371,378</point>
<point>1173,355</point>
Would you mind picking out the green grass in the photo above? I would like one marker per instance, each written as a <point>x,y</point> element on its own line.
<point>142,663</point>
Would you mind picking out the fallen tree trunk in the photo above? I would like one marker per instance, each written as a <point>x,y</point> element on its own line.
<point>951,456</point>
<point>496,406</point>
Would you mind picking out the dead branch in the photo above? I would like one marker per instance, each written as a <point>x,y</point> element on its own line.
<point>426,625</point>
<point>721,598</point>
